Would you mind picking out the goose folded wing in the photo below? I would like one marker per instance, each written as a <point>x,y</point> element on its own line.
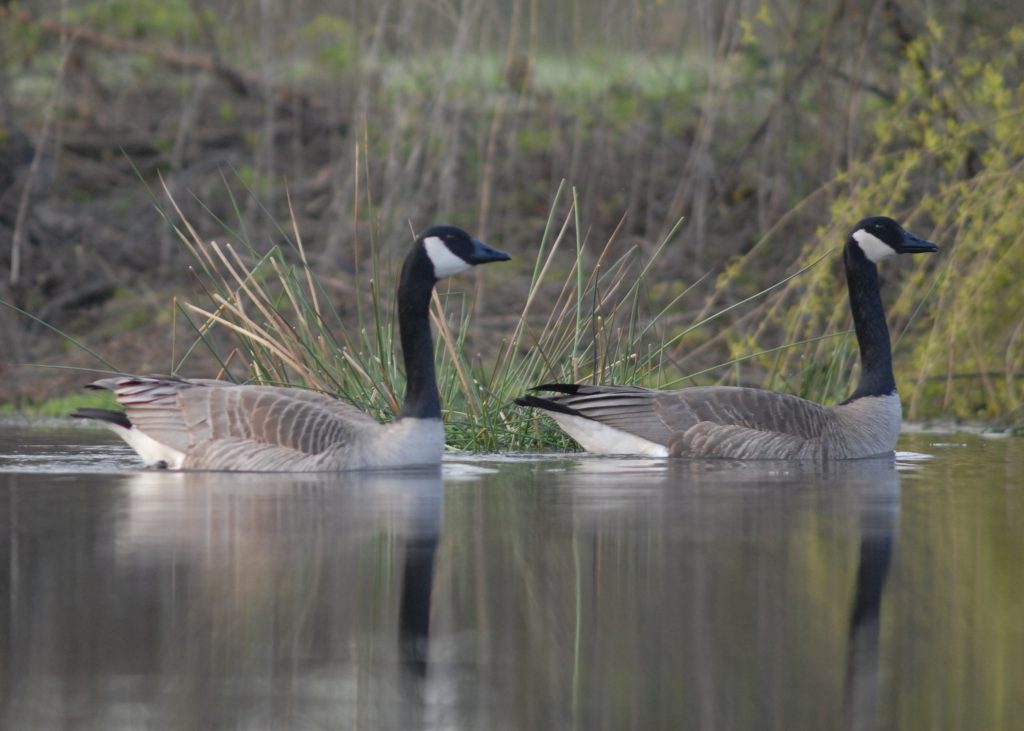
<point>747,408</point>
<point>661,416</point>
<point>728,441</point>
<point>183,413</point>
<point>304,421</point>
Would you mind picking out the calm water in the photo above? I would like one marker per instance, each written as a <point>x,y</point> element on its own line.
<point>513,593</point>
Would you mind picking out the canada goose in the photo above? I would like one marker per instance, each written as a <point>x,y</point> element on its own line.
<point>180,423</point>
<point>750,423</point>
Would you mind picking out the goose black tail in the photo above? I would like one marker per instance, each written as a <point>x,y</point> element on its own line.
<point>114,417</point>
<point>570,389</point>
<point>547,404</point>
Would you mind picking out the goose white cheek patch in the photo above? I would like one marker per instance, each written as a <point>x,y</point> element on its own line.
<point>872,246</point>
<point>445,262</point>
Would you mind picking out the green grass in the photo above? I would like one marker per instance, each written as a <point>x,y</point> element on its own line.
<point>62,405</point>
<point>587,78</point>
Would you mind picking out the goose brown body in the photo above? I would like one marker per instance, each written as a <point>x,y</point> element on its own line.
<point>736,423</point>
<point>183,423</point>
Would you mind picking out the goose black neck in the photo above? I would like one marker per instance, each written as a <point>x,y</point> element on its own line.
<point>876,377</point>
<point>422,400</point>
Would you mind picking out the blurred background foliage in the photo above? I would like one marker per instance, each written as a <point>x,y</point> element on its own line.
<point>770,128</point>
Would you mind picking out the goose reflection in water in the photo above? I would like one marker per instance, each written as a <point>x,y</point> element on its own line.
<point>759,551</point>
<point>424,531</point>
<point>879,526</point>
<point>382,524</point>
<point>213,600</point>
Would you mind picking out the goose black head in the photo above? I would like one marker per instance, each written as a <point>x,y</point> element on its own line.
<point>451,250</point>
<point>879,237</point>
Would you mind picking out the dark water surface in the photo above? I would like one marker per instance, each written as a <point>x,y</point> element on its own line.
<point>513,593</point>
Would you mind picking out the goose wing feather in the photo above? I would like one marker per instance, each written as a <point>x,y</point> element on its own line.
<point>630,409</point>
<point>708,439</point>
<point>664,417</point>
<point>223,425</point>
<point>748,408</point>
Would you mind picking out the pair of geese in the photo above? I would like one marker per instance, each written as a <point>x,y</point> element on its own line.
<point>179,423</point>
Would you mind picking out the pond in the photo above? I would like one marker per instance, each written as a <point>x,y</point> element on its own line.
<point>518,592</point>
